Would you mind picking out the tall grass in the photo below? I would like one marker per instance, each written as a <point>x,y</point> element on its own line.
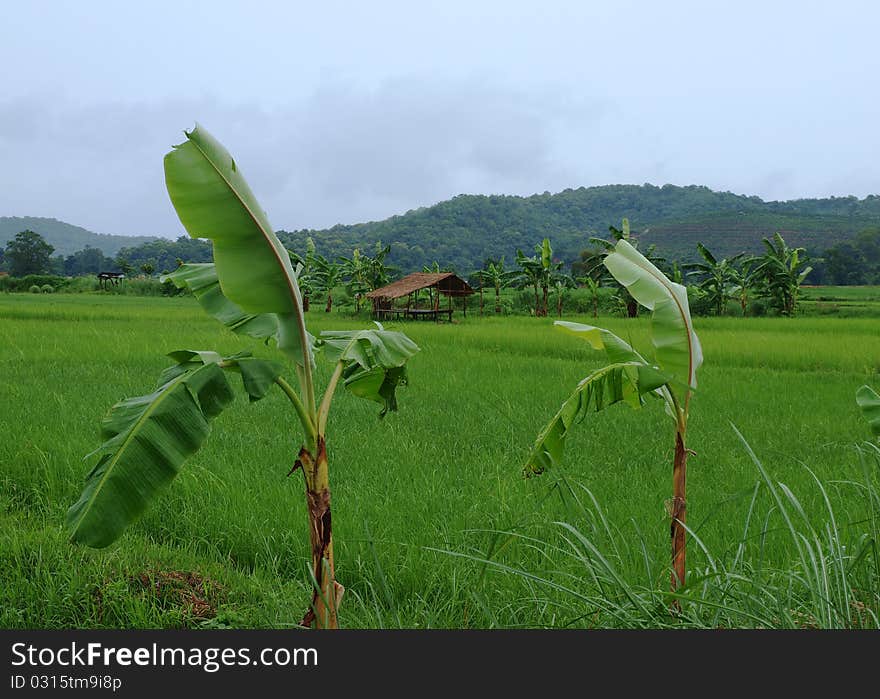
<point>597,574</point>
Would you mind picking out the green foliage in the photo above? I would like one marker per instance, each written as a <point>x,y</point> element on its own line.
<point>28,253</point>
<point>671,376</point>
<point>852,262</point>
<point>231,515</point>
<point>163,254</point>
<point>251,288</point>
<point>716,279</point>
<point>147,439</point>
<point>616,383</point>
<point>465,230</point>
<point>25,284</point>
<point>47,288</point>
<point>66,238</point>
<point>373,361</point>
<point>779,274</point>
<point>88,261</point>
<point>202,281</point>
<point>35,289</point>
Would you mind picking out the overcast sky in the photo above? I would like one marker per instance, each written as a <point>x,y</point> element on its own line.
<point>339,112</point>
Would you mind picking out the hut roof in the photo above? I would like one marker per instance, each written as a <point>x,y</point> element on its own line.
<point>446,282</point>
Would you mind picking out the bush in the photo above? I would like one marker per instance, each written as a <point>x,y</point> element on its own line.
<point>34,289</point>
<point>757,308</point>
<point>26,283</point>
<point>47,288</point>
<point>78,285</point>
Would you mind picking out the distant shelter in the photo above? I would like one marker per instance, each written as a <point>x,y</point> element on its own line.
<point>417,296</point>
<point>108,279</point>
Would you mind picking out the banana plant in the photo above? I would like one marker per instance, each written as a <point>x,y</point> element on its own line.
<point>252,289</point>
<point>631,378</point>
<point>780,272</point>
<point>714,278</point>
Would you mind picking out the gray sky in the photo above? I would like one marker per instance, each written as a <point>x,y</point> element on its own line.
<point>339,112</point>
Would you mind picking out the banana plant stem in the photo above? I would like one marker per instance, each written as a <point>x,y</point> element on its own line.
<point>308,424</point>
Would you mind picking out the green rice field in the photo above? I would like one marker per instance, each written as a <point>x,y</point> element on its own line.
<point>434,525</point>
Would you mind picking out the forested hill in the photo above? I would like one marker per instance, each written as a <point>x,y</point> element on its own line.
<point>64,237</point>
<point>465,230</point>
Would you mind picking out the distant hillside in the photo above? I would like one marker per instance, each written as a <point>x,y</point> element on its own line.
<point>467,229</point>
<point>65,237</point>
<point>728,234</point>
<point>463,231</point>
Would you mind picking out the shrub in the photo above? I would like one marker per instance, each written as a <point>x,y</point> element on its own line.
<point>34,289</point>
<point>26,283</point>
<point>47,288</point>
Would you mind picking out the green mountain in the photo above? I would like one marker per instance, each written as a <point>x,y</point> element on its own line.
<point>64,237</point>
<point>465,230</point>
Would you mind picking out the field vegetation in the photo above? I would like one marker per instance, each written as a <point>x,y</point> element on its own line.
<point>784,521</point>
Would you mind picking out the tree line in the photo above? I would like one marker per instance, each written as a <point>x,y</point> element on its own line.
<point>773,278</point>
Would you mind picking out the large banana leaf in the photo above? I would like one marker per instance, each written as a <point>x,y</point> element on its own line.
<point>678,351</point>
<point>373,361</point>
<point>378,384</point>
<point>615,349</point>
<point>147,440</point>
<point>201,279</point>
<point>214,201</point>
<point>869,402</point>
<point>369,348</point>
<point>616,383</point>
<point>258,375</point>
<point>546,253</point>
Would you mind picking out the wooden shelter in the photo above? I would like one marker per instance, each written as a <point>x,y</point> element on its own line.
<point>106,279</point>
<point>388,301</point>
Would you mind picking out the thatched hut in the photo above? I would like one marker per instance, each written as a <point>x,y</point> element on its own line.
<point>422,292</point>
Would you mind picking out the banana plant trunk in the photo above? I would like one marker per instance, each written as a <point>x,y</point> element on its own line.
<point>497,300</point>
<point>632,308</point>
<point>327,593</point>
<point>678,512</point>
<point>545,298</point>
<point>329,305</point>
